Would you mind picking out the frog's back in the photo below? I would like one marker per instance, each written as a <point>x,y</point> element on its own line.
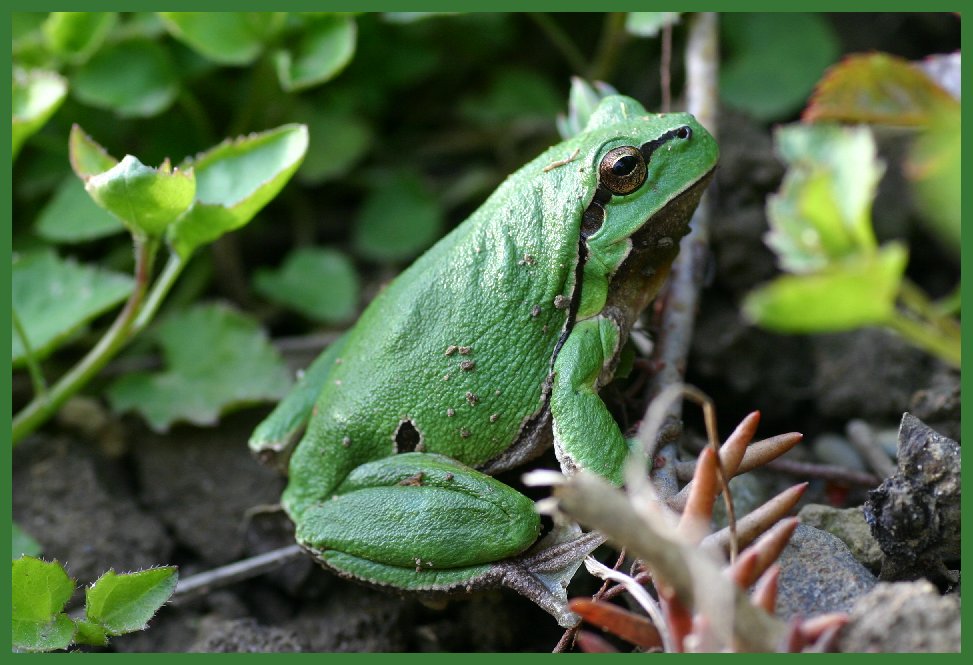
<point>453,356</point>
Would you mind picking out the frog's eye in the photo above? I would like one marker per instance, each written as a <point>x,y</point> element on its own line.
<point>622,170</point>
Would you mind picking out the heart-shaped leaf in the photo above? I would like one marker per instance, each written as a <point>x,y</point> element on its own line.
<point>322,284</point>
<point>324,49</point>
<point>227,38</point>
<point>39,591</point>
<point>146,200</point>
<point>53,297</point>
<point>234,181</point>
<point>877,88</point>
<point>216,359</point>
<point>74,36</point>
<point>125,603</point>
<point>36,96</point>
<point>843,296</point>
<point>133,78</point>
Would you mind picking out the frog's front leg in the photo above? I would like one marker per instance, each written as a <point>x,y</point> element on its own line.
<point>418,521</point>
<point>276,435</point>
<point>586,435</point>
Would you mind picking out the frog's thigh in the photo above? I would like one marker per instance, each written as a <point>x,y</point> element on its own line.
<point>585,434</point>
<point>417,510</point>
<point>281,428</point>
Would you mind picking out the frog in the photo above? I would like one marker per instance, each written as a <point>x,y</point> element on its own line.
<point>485,352</point>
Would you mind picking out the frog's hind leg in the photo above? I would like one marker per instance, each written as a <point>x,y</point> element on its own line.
<point>274,438</point>
<point>425,522</point>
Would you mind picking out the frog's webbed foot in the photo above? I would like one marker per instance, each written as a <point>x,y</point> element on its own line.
<point>542,574</point>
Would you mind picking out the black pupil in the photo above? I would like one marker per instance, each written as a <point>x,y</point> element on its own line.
<point>683,132</point>
<point>625,165</point>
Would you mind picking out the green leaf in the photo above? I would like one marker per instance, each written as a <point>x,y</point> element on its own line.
<point>822,212</point>
<point>125,603</point>
<point>648,24</point>
<point>934,166</point>
<point>39,591</point>
<point>774,60</point>
<point>91,633</point>
<point>323,50</point>
<point>54,297</point>
<point>23,543</point>
<point>72,217</point>
<point>74,36</point>
<point>234,181</point>
<point>146,200</point>
<point>216,359</point>
<point>36,96</point>
<point>338,141</point>
<point>322,284</point>
<point>227,38</point>
<point>840,297</point>
<point>398,220</point>
<point>133,78</point>
<point>877,88</point>
<point>515,95</point>
<point>582,101</point>
<point>88,158</point>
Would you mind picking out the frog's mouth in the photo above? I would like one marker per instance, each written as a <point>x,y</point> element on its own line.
<point>662,231</point>
<point>654,246</point>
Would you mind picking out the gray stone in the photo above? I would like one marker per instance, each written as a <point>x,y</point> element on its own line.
<point>819,575</point>
<point>850,526</point>
<point>903,617</point>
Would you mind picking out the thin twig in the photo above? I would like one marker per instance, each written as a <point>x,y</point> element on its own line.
<point>862,438</point>
<point>197,585</point>
<point>685,282</point>
<point>561,41</point>
<point>824,472</point>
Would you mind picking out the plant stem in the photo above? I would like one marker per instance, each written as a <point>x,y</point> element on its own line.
<point>613,36</point>
<point>569,51</point>
<point>42,407</point>
<point>944,346</point>
<point>173,268</point>
<point>36,375</point>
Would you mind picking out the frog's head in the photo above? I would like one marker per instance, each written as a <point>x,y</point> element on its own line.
<point>651,171</point>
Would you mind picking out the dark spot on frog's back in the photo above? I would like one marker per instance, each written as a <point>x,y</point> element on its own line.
<point>407,438</point>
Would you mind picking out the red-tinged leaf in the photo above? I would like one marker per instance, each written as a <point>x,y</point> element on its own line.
<point>630,627</point>
<point>876,88</point>
<point>594,643</point>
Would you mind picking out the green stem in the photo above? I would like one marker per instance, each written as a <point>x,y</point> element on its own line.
<point>36,375</point>
<point>613,36</point>
<point>569,51</point>
<point>173,268</point>
<point>916,301</point>
<point>42,407</point>
<point>946,347</point>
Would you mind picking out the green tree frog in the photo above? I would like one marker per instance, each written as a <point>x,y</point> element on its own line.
<point>489,348</point>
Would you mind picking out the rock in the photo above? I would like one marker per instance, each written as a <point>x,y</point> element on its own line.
<point>850,527</point>
<point>915,514</point>
<point>837,450</point>
<point>77,505</point>
<point>819,575</point>
<point>939,404</point>
<point>217,635</point>
<point>903,617</point>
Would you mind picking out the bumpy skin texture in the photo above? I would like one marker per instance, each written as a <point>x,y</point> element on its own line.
<point>452,367</point>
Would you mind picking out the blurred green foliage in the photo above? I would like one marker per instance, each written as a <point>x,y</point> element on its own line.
<point>413,118</point>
